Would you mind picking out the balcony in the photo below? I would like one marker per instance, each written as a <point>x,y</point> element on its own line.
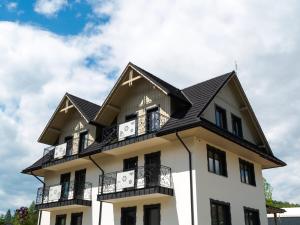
<point>139,126</point>
<point>64,152</point>
<point>63,196</point>
<point>142,182</point>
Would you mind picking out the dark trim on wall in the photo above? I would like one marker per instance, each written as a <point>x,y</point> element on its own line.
<point>136,192</point>
<point>102,172</point>
<point>191,177</point>
<point>64,203</point>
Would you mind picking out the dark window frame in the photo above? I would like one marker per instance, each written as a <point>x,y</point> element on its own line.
<point>149,207</point>
<point>248,167</point>
<point>224,117</point>
<point>123,209</point>
<point>223,204</point>
<point>247,210</point>
<point>223,161</point>
<point>77,214</point>
<point>83,139</point>
<point>235,118</point>
<point>60,216</point>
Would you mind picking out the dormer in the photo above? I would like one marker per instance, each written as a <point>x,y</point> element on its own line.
<point>139,103</point>
<point>69,131</point>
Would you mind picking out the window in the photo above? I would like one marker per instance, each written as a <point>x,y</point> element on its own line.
<point>220,213</point>
<point>221,120</point>
<point>153,119</point>
<point>128,216</point>
<point>83,141</point>
<point>60,220</point>
<point>237,126</point>
<point>152,214</point>
<point>251,216</point>
<point>76,219</point>
<point>247,172</point>
<point>216,161</point>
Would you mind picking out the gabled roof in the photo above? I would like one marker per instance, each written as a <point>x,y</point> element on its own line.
<point>87,109</point>
<point>165,87</point>
<point>168,88</point>
<point>200,95</point>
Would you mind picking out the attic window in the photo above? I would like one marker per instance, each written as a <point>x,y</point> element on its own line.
<point>237,126</point>
<point>221,119</point>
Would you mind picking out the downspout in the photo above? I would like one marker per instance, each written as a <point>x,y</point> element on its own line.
<point>191,177</point>
<point>102,177</point>
<point>40,211</point>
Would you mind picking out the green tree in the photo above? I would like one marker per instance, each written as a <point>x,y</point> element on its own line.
<point>8,217</point>
<point>2,220</point>
<point>268,192</point>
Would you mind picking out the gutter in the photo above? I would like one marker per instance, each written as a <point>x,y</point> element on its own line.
<point>102,178</point>
<point>40,211</point>
<point>191,177</point>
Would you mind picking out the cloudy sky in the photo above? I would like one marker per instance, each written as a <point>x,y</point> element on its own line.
<point>49,47</point>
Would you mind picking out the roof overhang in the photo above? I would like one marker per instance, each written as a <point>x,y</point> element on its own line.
<point>109,108</point>
<point>61,114</point>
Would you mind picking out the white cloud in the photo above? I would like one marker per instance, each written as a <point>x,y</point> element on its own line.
<point>49,7</point>
<point>11,6</point>
<point>183,42</point>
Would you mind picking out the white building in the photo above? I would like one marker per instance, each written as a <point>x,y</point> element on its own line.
<point>291,216</point>
<point>155,155</point>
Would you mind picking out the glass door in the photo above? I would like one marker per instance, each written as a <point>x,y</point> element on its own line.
<point>131,164</point>
<point>79,184</point>
<point>153,119</point>
<point>65,185</point>
<point>152,169</point>
<point>69,141</point>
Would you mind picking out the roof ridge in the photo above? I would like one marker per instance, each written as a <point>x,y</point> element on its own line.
<point>213,78</point>
<point>71,95</point>
<point>156,77</point>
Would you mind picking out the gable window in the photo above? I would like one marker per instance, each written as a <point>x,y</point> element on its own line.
<point>247,172</point>
<point>251,216</point>
<point>221,120</point>
<point>237,126</point>
<point>83,141</point>
<point>220,213</point>
<point>216,161</point>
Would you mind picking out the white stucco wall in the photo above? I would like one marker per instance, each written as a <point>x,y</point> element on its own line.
<point>176,210</point>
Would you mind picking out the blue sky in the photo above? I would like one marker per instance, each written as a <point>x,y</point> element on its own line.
<point>49,47</point>
<point>70,19</point>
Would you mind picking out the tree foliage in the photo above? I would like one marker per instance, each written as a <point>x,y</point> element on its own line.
<point>21,216</point>
<point>271,202</point>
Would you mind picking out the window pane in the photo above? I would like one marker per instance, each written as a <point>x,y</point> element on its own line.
<point>217,167</point>
<point>211,164</point>
<point>214,215</point>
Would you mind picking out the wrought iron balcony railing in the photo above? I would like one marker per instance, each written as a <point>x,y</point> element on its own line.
<point>140,178</point>
<point>63,192</point>
<point>69,148</point>
<point>145,124</point>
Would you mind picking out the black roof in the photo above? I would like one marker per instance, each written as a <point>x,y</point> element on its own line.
<point>198,98</point>
<point>168,88</point>
<point>200,95</point>
<point>86,108</point>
